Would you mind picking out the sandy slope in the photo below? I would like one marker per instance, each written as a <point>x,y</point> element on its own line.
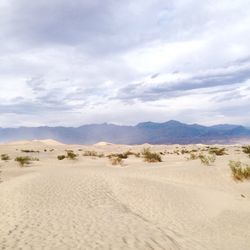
<point>89,204</point>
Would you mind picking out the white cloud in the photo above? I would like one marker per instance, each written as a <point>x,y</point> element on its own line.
<point>124,62</point>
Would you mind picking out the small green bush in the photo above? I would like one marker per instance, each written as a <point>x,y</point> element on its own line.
<point>217,151</point>
<point>193,156</point>
<point>93,154</point>
<point>116,161</point>
<point>239,170</point>
<point>23,160</point>
<point>184,151</point>
<point>207,160</point>
<point>150,156</point>
<point>71,155</point>
<point>246,149</point>
<point>124,155</point>
<point>61,157</point>
<point>29,151</point>
<point>5,157</point>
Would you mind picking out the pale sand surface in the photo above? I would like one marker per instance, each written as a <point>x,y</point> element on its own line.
<point>90,204</point>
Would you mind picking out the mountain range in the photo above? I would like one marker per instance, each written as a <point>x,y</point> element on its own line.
<point>170,132</point>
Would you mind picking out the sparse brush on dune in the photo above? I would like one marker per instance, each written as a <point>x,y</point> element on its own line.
<point>116,160</point>
<point>124,155</point>
<point>246,149</point>
<point>25,160</point>
<point>93,154</point>
<point>240,171</point>
<point>192,156</point>
<point>61,157</point>
<point>217,151</point>
<point>184,151</point>
<point>71,155</point>
<point>150,156</point>
<point>205,160</point>
<point>29,151</point>
<point>5,157</point>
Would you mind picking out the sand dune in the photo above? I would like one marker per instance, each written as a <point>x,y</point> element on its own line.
<point>90,204</point>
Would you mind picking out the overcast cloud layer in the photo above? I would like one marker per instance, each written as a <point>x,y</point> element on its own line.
<point>88,61</point>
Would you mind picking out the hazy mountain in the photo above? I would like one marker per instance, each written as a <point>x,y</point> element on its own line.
<point>146,132</point>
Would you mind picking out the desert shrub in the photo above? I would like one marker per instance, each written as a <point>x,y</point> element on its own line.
<point>29,151</point>
<point>90,153</point>
<point>239,170</point>
<point>34,159</point>
<point>124,155</point>
<point>150,156</point>
<point>61,157</point>
<point>207,160</point>
<point>194,150</point>
<point>5,157</point>
<point>71,155</point>
<point>184,151</point>
<point>23,160</point>
<point>246,149</point>
<point>93,154</point>
<point>217,151</point>
<point>116,160</point>
<point>193,156</point>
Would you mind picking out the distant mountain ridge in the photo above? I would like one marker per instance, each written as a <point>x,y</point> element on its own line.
<point>170,132</point>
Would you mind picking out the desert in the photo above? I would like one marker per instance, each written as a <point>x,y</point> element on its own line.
<point>90,200</point>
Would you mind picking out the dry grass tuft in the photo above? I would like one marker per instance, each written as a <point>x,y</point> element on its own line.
<point>61,157</point>
<point>93,154</point>
<point>25,160</point>
<point>5,157</point>
<point>217,151</point>
<point>240,171</point>
<point>29,151</point>
<point>246,149</point>
<point>116,160</point>
<point>150,156</point>
<point>205,160</point>
<point>71,155</point>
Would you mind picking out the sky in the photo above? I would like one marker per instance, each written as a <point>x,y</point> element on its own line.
<point>77,62</point>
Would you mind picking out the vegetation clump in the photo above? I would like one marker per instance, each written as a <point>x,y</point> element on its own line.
<point>124,155</point>
<point>5,157</point>
<point>184,151</point>
<point>193,156</point>
<point>240,171</point>
<point>246,149</point>
<point>71,155</point>
<point>61,157</point>
<point>93,154</point>
<point>29,151</point>
<point>217,151</point>
<point>205,160</point>
<point>150,156</point>
<point>25,160</point>
<point>116,160</point>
